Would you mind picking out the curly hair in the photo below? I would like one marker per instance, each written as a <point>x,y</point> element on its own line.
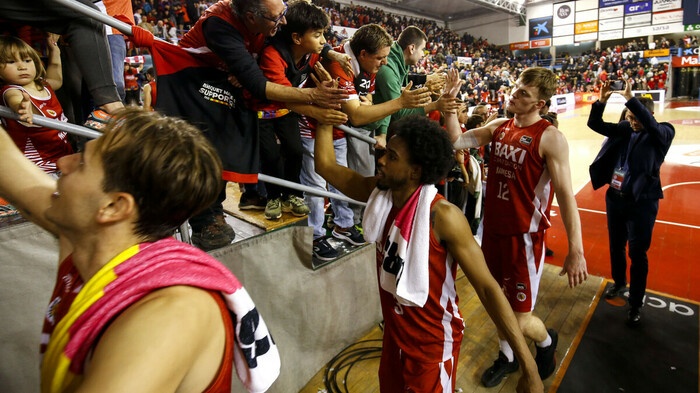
<point>428,145</point>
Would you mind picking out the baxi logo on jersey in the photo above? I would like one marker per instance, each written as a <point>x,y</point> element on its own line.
<point>511,153</point>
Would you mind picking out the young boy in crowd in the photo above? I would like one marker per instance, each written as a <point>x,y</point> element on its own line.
<point>288,61</point>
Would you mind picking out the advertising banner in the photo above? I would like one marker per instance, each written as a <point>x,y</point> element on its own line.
<point>586,16</point>
<point>638,8</point>
<point>582,5</point>
<point>586,27</point>
<point>610,3</point>
<point>691,12</point>
<point>565,40</point>
<point>695,27</point>
<point>520,45</point>
<point>637,20</point>
<point>563,30</point>
<point>611,24</point>
<point>540,43</point>
<point>685,61</point>
<point>657,53</point>
<point>610,35</point>
<point>611,12</point>
<point>540,28</point>
<point>667,17</point>
<point>586,37</point>
<point>665,5</point>
<point>653,30</point>
<point>564,13</point>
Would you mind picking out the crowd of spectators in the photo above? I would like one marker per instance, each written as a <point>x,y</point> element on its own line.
<point>489,70</point>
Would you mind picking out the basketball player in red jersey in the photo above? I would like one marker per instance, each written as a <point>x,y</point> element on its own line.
<point>421,342</point>
<point>529,162</point>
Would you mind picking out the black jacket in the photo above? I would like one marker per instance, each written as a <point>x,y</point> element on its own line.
<point>646,156</point>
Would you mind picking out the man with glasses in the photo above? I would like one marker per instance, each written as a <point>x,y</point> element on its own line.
<point>231,33</point>
<point>629,162</point>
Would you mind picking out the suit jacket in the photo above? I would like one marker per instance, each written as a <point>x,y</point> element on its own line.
<point>645,158</point>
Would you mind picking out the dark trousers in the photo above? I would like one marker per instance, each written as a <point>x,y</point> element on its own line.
<point>281,160</point>
<point>208,215</point>
<point>630,222</point>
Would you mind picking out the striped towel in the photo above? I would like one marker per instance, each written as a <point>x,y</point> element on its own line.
<point>135,273</point>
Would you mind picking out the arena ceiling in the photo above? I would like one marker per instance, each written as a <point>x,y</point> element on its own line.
<point>452,10</point>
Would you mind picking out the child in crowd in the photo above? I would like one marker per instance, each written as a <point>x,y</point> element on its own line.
<point>289,60</point>
<point>27,84</point>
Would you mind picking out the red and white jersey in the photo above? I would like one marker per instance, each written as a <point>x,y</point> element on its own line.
<point>518,187</point>
<point>427,334</point>
<point>41,145</point>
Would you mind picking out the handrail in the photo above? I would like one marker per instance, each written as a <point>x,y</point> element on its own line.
<point>86,132</point>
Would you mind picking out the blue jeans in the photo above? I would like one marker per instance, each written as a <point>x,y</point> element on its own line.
<point>117,48</point>
<point>309,177</point>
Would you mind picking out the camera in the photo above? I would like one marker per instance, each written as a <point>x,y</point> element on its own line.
<point>617,85</point>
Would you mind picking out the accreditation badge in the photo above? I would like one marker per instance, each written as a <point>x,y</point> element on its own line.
<point>618,178</point>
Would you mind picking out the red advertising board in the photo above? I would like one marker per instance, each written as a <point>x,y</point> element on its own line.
<point>685,61</point>
<point>540,43</point>
<point>520,45</point>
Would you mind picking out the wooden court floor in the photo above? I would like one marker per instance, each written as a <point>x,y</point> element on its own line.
<point>559,307</point>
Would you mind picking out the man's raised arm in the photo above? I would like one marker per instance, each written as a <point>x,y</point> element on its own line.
<point>23,184</point>
<point>344,179</point>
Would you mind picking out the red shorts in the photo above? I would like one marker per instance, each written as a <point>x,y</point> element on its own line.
<point>516,263</point>
<point>400,374</point>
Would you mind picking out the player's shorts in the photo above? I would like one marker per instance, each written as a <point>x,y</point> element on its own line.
<point>401,374</point>
<point>516,262</point>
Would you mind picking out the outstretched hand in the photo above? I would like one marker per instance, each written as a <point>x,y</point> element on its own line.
<point>326,94</point>
<point>453,83</point>
<point>344,61</point>
<point>414,98</point>
<point>605,92</point>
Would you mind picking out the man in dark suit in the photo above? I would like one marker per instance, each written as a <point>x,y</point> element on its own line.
<point>629,163</point>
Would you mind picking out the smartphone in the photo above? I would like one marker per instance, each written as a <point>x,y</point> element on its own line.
<point>617,85</point>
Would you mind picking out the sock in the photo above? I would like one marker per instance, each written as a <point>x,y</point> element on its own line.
<point>506,349</point>
<point>547,342</point>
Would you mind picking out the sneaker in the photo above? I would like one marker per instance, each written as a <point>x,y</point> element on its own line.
<point>546,362</point>
<point>324,251</point>
<point>252,201</point>
<point>225,227</point>
<point>97,120</point>
<point>350,235</point>
<point>210,237</point>
<point>501,367</point>
<point>273,209</point>
<point>295,205</point>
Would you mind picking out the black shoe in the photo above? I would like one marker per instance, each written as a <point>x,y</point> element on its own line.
<point>252,201</point>
<point>634,316</point>
<point>324,251</point>
<point>350,235</point>
<point>495,374</point>
<point>614,291</point>
<point>225,227</point>
<point>210,237</point>
<point>546,362</point>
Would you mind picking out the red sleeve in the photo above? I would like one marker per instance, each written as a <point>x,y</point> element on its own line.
<point>273,66</point>
<point>345,82</point>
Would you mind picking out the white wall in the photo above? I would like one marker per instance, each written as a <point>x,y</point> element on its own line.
<point>490,27</point>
